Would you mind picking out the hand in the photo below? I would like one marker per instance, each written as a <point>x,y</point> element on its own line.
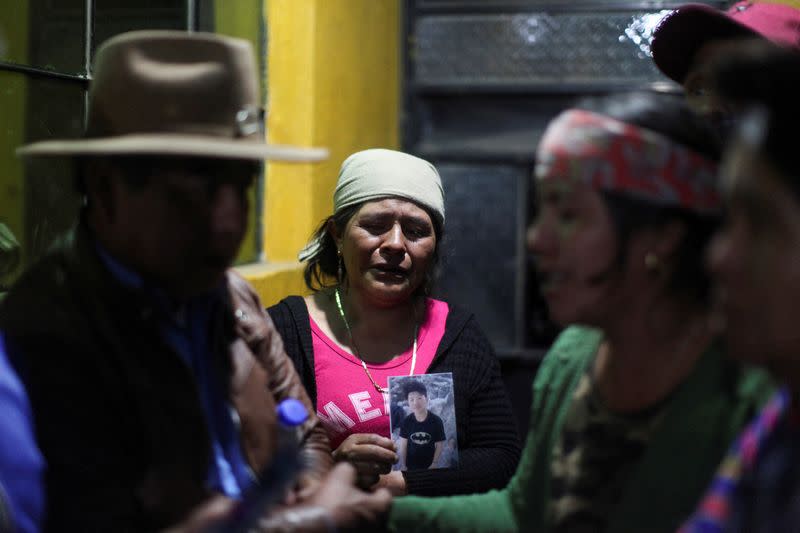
<point>371,455</point>
<point>394,482</point>
<point>208,514</point>
<point>349,507</point>
<point>302,491</point>
<point>336,505</point>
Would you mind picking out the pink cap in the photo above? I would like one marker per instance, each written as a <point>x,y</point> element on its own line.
<point>681,34</point>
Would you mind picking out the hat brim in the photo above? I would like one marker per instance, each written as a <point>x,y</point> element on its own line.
<point>681,34</point>
<point>173,145</point>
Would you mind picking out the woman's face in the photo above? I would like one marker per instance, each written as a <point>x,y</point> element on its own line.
<point>755,261</point>
<point>387,248</point>
<point>575,246</point>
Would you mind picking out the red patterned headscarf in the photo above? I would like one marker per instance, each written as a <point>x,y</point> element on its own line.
<point>608,154</point>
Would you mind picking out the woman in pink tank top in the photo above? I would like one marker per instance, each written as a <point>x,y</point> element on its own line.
<point>370,266</point>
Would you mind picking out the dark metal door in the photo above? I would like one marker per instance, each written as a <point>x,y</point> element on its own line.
<point>482,79</point>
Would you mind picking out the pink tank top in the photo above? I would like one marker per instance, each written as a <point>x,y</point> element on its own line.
<point>346,400</point>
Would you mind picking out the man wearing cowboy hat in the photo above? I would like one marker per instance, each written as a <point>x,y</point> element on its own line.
<point>152,369</point>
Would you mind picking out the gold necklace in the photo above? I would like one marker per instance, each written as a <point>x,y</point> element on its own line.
<point>355,350</point>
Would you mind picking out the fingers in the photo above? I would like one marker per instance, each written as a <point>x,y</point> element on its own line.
<point>394,482</point>
<point>291,498</point>
<point>366,481</point>
<point>336,485</point>
<point>372,467</point>
<point>307,491</point>
<point>341,474</point>
<point>348,506</point>
<point>368,453</point>
<point>368,438</point>
<point>381,499</point>
<point>376,503</point>
<point>366,447</point>
<point>366,511</point>
<point>210,513</point>
<point>378,440</point>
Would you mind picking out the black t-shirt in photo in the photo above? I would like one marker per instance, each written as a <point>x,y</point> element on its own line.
<point>422,438</point>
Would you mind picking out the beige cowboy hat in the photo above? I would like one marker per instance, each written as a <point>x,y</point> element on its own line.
<point>175,94</point>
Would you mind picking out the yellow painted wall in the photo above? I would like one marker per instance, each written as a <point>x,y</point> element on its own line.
<point>291,119</point>
<point>793,3</point>
<point>358,85</point>
<point>333,82</point>
<point>273,281</point>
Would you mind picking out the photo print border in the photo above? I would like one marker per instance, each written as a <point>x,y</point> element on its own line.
<point>419,441</point>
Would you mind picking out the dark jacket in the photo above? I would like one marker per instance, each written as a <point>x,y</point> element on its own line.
<point>117,411</point>
<point>487,435</point>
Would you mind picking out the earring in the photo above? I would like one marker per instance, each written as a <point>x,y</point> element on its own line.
<point>339,267</point>
<point>652,262</point>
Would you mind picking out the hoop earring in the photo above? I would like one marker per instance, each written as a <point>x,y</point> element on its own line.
<point>652,262</point>
<point>339,267</point>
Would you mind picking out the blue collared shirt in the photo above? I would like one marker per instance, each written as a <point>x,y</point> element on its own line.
<point>186,328</point>
<point>21,463</point>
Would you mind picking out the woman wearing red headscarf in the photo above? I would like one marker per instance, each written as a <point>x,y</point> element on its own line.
<point>634,405</point>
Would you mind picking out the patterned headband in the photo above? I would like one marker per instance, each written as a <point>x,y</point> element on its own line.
<point>608,154</point>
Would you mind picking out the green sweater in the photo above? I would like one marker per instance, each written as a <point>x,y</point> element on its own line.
<point>702,417</point>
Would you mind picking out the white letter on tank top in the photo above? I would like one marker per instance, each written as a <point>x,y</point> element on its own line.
<point>337,420</point>
<point>361,404</point>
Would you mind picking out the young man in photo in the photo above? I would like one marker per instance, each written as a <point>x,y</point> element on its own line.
<point>421,433</point>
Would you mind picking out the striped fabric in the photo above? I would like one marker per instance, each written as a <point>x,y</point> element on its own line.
<point>714,512</point>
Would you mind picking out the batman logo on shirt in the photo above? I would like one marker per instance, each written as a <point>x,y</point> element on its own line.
<point>421,438</point>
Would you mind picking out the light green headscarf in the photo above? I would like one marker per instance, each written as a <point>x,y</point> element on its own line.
<point>379,173</point>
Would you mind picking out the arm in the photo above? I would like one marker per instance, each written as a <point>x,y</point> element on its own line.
<point>402,448</point>
<point>489,511</point>
<point>295,332</point>
<point>487,436</point>
<point>436,453</point>
<point>336,505</point>
<point>372,455</point>
<point>284,382</point>
<point>521,504</point>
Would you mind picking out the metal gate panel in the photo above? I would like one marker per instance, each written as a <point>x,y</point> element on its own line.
<point>480,254</point>
<point>482,80</point>
<point>535,48</point>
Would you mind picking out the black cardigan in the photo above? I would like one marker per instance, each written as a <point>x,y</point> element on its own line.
<point>488,444</point>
